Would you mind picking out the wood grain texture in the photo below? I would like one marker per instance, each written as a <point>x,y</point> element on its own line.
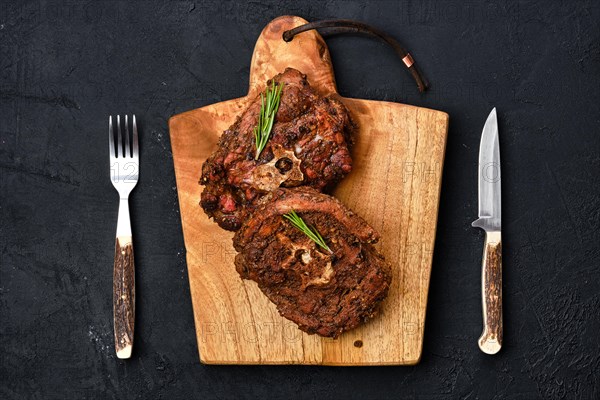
<point>124,297</point>
<point>395,186</point>
<point>490,341</point>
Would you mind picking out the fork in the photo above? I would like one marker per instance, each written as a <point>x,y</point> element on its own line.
<point>124,172</point>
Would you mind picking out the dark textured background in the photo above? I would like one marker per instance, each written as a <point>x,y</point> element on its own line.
<point>65,66</point>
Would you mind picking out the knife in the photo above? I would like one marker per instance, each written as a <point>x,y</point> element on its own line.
<point>489,220</point>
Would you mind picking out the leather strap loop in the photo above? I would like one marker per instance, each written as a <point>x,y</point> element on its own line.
<point>340,26</point>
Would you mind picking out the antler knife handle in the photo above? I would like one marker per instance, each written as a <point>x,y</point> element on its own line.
<point>490,341</point>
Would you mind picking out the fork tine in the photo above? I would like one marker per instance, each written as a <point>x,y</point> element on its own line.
<point>136,149</point>
<point>127,153</point>
<point>119,140</point>
<point>111,138</point>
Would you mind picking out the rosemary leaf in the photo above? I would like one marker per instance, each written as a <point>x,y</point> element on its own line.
<point>269,104</point>
<point>313,234</point>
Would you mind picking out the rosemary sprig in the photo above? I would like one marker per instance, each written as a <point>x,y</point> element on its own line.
<point>313,234</point>
<point>269,104</point>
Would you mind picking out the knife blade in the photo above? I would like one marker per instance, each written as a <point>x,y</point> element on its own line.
<point>490,213</point>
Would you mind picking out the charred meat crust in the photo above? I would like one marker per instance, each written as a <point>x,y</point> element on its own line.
<point>309,146</point>
<point>323,293</point>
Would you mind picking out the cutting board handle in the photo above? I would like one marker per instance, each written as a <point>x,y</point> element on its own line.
<point>315,61</point>
<point>338,26</point>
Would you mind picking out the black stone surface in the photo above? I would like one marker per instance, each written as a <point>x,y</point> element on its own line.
<point>65,66</point>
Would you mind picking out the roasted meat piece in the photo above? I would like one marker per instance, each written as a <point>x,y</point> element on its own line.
<point>309,145</point>
<point>324,293</point>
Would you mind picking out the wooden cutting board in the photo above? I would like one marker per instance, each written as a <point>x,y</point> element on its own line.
<point>395,186</point>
